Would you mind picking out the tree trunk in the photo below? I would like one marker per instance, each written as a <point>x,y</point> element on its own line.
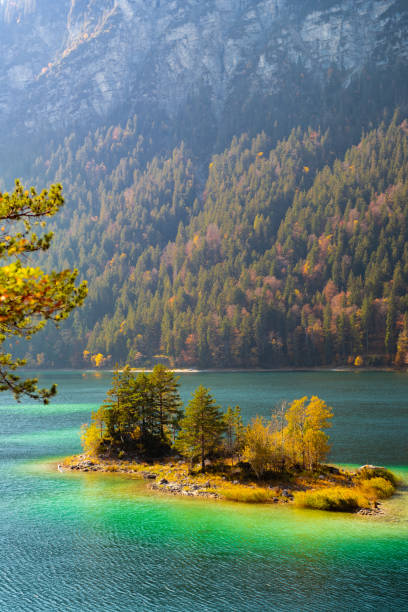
<point>202,453</point>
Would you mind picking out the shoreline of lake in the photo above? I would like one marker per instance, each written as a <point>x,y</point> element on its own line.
<point>318,369</point>
<point>176,479</point>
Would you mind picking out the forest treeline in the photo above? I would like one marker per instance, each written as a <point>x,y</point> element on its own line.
<point>276,254</point>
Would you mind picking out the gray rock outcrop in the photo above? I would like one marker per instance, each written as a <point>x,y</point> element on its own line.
<point>70,63</point>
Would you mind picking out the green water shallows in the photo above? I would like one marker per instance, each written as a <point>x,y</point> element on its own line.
<point>79,542</point>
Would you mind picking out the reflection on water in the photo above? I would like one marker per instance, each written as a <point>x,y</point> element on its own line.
<point>78,542</point>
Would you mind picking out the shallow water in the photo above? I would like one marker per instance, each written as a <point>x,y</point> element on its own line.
<point>79,542</point>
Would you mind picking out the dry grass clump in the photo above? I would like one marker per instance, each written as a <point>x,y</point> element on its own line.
<point>371,484</point>
<point>377,488</point>
<point>371,473</point>
<point>335,499</point>
<point>247,495</point>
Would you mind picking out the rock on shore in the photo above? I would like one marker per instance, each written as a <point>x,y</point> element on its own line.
<point>186,487</point>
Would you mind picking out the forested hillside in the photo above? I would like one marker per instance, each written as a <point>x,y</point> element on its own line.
<point>273,255</point>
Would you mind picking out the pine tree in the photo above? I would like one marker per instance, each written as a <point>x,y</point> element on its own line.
<point>201,428</point>
<point>121,414</point>
<point>137,415</point>
<point>390,334</point>
<point>166,397</point>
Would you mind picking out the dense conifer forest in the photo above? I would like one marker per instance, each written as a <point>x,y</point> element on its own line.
<point>269,254</point>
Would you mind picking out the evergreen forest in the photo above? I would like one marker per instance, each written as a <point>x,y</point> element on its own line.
<point>287,253</point>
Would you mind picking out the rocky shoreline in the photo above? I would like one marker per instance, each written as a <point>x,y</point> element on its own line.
<point>186,485</point>
<point>377,511</point>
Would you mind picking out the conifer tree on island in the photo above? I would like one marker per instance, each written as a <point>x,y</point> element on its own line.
<point>167,397</point>
<point>201,428</point>
<point>29,297</point>
<point>139,415</point>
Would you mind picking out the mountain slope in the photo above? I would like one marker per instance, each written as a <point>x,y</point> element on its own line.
<point>279,260</point>
<point>210,70</point>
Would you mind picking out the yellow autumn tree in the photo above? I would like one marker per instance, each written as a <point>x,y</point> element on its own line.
<point>307,442</point>
<point>92,435</point>
<point>318,418</point>
<point>260,446</point>
<point>98,360</point>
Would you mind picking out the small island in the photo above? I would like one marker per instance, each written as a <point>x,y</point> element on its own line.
<point>142,429</point>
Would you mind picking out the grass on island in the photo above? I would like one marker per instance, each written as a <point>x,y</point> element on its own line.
<point>248,495</point>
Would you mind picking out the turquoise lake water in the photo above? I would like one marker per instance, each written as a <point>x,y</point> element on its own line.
<point>91,542</point>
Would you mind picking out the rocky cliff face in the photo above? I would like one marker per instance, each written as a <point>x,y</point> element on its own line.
<point>67,63</point>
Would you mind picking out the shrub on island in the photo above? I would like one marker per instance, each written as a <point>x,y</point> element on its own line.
<point>347,499</point>
<point>377,488</point>
<point>335,499</point>
<point>369,472</point>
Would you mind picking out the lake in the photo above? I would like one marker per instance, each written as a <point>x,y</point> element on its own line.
<point>92,542</point>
